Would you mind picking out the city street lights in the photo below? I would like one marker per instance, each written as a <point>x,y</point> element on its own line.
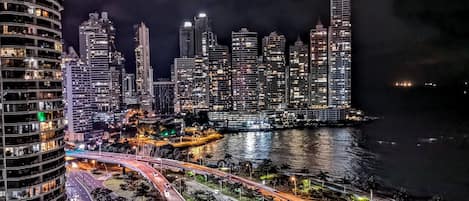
<point>161,165</point>
<point>293,178</point>
<point>188,155</point>
<point>250,170</point>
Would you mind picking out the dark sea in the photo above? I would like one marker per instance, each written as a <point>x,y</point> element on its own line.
<point>420,144</point>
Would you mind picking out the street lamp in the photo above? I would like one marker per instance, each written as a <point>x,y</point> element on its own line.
<point>188,156</point>
<point>250,170</point>
<point>161,165</point>
<point>293,178</point>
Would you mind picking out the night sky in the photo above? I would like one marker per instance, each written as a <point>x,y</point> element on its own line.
<point>420,40</point>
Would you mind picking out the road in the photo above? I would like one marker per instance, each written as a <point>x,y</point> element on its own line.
<point>132,161</point>
<point>146,170</point>
<point>76,190</point>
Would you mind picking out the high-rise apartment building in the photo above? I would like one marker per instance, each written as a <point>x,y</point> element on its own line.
<point>201,26</point>
<point>261,84</point>
<point>32,112</point>
<point>200,85</point>
<point>144,71</point>
<point>128,88</point>
<point>97,43</point>
<point>164,97</point>
<point>340,55</point>
<point>186,40</point>
<point>273,52</point>
<point>219,78</point>
<point>319,68</point>
<point>298,75</point>
<point>183,78</point>
<point>77,93</point>
<point>116,68</point>
<point>244,70</point>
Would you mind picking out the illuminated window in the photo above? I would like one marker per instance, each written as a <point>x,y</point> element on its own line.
<point>41,117</point>
<point>38,12</point>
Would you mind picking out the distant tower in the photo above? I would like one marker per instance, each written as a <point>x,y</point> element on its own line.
<point>273,52</point>
<point>183,80</point>
<point>164,97</point>
<point>202,25</point>
<point>186,40</point>
<point>200,85</point>
<point>298,75</point>
<point>97,43</point>
<point>78,99</point>
<point>319,66</point>
<point>340,54</point>
<point>220,79</point>
<point>244,70</point>
<point>144,71</point>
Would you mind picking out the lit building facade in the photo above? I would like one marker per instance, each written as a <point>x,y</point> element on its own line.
<point>116,68</point>
<point>183,78</point>
<point>186,40</point>
<point>97,43</point>
<point>244,70</point>
<point>340,55</point>
<point>273,52</point>
<point>164,97</point>
<point>144,71</point>
<point>201,26</point>
<point>32,115</point>
<point>319,67</point>
<point>128,88</point>
<point>298,75</point>
<point>219,78</point>
<point>261,84</point>
<point>200,85</point>
<point>77,93</point>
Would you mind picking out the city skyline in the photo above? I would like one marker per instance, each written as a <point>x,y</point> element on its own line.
<point>386,18</point>
<point>262,101</point>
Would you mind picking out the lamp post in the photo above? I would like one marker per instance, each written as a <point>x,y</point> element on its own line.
<point>161,165</point>
<point>250,170</point>
<point>294,183</point>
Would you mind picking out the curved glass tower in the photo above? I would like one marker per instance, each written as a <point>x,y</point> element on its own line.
<point>31,113</point>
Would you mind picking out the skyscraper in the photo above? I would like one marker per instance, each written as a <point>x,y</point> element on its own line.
<point>202,25</point>
<point>77,88</point>
<point>209,39</point>
<point>116,68</point>
<point>144,71</point>
<point>164,97</point>
<point>298,75</point>
<point>244,70</point>
<point>200,84</point>
<point>186,40</point>
<point>128,88</point>
<point>340,54</point>
<point>319,66</point>
<point>183,78</point>
<point>273,52</point>
<point>31,115</point>
<point>219,78</point>
<point>261,84</point>
<point>97,43</point>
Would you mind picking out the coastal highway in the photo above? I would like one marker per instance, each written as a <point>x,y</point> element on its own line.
<point>138,162</point>
<point>152,175</point>
<point>76,190</point>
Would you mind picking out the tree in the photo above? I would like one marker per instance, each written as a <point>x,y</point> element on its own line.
<point>101,194</point>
